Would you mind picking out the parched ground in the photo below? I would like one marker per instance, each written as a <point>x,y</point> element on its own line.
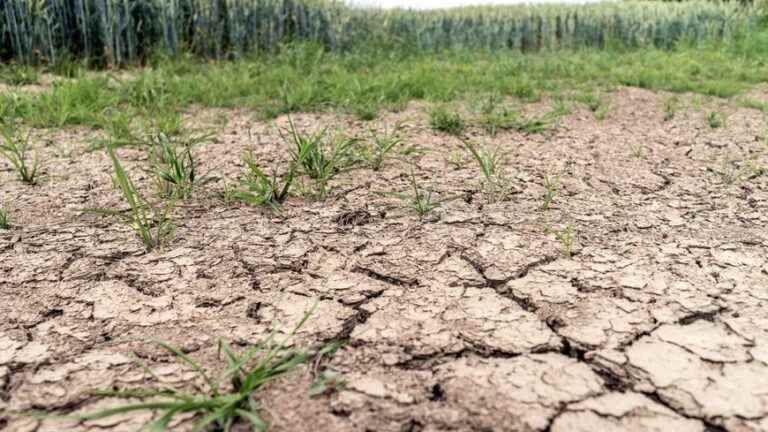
<point>472,319</point>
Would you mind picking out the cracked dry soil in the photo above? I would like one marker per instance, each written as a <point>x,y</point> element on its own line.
<point>472,319</point>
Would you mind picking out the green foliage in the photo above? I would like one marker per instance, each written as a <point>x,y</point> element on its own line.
<point>671,106</point>
<point>15,148</point>
<point>495,185</point>
<point>566,238</point>
<point>420,201</point>
<point>444,120</point>
<point>321,157</point>
<point>224,403</point>
<point>258,188</point>
<point>716,120</point>
<point>118,32</point>
<point>4,219</point>
<point>151,223</point>
<point>551,186</point>
<point>16,75</point>
<point>174,166</point>
<point>380,145</point>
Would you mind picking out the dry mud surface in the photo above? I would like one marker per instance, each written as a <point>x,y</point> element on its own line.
<point>472,319</point>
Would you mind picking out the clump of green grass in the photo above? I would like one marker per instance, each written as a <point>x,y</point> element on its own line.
<point>380,145</point>
<point>551,186</point>
<point>152,224</point>
<point>259,188</point>
<point>15,148</point>
<point>444,120</point>
<point>320,156</point>
<point>505,119</point>
<point>174,166</point>
<point>495,185</point>
<point>716,120</point>
<point>671,106</point>
<point>19,75</point>
<point>226,402</point>
<point>4,219</point>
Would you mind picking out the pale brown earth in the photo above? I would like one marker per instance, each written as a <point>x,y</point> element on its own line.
<point>473,319</point>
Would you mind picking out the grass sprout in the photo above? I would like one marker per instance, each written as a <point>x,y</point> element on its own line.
<point>420,201</point>
<point>259,188</point>
<point>226,402</point>
<point>495,185</point>
<point>671,106</point>
<point>4,219</point>
<point>716,120</point>
<point>380,145</point>
<point>566,238</point>
<point>15,148</point>
<point>551,186</point>
<point>151,223</point>
<point>174,166</point>
<point>320,158</point>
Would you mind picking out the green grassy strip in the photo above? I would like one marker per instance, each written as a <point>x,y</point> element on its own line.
<point>308,78</point>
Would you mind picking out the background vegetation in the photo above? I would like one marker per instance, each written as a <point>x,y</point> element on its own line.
<point>117,32</point>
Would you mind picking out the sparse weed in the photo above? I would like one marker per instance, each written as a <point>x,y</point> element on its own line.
<point>118,130</point>
<point>716,120</point>
<point>174,166</point>
<point>19,75</point>
<point>419,200</point>
<point>754,104</point>
<point>262,189</point>
<point>566,239</point>
<point>319,160</point>
<point>638,150</point>
<point>380,145</point>
<point>444,120</point>
<point>671,106</point>
<point>456,159</point>
<point>733,172</point>
<point>591,100</point>
<point>551,186</point>
<point>4,219</point>
<point>15,148</point>
<point>151,223</point>
<point>507,119</point>
<point>225,403</point>
<point>495,185</point>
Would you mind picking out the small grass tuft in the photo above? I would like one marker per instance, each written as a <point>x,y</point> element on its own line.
<point>15,148</point>
<point>420,201</point>
<point>4,219</point>
<point>320,157</point>
<point>174,166</point>
<point>495,185</point>
<point>258,188</point>
<point>566,238</point>
<point>716,120</point>
<point>380,145</point>
<point>444,120</point>
<point>225,403</point>
<point>19,75</point>
<point>671,106</point>
<point>551,186</point>
<point>151,223</point>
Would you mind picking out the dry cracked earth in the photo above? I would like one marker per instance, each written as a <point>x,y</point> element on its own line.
<point>473,319</point>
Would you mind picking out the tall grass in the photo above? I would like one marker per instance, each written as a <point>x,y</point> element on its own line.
<point>117,32</point>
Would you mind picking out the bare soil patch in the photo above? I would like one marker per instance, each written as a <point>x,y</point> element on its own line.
<point>471,319</point>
